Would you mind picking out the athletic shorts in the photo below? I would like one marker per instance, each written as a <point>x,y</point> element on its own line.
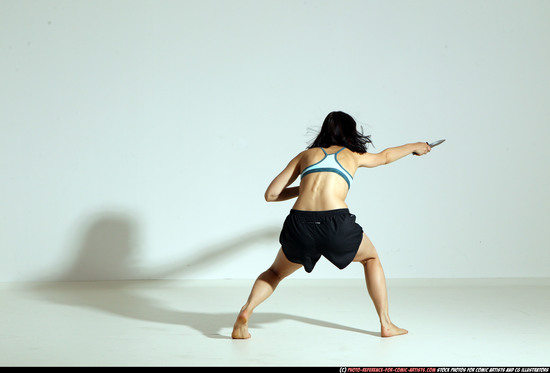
<point>334,234</point>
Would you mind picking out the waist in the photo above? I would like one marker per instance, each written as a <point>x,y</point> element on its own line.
<point>319,214</point>
<point>310,203</point>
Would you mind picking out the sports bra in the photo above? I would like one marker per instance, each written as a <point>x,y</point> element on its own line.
<point>329,163</point>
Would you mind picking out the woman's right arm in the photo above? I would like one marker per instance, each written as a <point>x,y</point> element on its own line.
<point>390,155</point>
<point>279,189</point>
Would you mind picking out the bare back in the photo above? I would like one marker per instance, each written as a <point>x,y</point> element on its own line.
<point>324,190</point>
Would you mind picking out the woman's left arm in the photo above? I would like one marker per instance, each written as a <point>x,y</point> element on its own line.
<point>278,190</point>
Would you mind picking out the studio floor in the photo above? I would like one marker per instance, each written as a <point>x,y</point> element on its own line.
<point>475,322</point>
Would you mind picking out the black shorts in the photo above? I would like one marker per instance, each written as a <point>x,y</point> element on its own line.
<point>307,235</point>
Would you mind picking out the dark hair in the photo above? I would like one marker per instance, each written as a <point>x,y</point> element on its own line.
<point>340,128</point>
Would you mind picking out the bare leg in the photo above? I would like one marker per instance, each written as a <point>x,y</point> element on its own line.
<point>376,286</point>
<point>263,287</point>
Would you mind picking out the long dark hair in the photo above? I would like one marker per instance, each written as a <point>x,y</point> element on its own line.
<point>340,128</point>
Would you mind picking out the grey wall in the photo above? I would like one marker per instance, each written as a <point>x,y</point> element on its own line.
<point>138,137</point>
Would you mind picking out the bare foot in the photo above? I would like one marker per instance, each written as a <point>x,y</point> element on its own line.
<point>391,330</point>
<point>240,329</point>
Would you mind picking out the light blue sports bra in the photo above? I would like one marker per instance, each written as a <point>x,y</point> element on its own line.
<point>329,163</point>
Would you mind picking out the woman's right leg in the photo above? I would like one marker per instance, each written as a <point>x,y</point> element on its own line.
<point>263,287</point>
<point>376,286</point>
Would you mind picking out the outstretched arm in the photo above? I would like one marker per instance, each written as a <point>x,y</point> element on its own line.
<point>390,155</point>
<point>278,190</point>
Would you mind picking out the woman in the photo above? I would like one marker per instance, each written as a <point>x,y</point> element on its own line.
<point>319,223</point>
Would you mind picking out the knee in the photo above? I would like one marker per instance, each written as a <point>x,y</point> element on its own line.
<point>368,260</point>
<point>274,273</point>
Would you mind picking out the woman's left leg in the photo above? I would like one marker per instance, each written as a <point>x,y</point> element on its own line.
<point>263,287</point>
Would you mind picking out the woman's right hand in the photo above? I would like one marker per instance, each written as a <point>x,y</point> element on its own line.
<point>422,148</point>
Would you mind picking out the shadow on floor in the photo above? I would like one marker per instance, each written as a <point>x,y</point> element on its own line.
<point>123,298</point>
<point>107,251</point>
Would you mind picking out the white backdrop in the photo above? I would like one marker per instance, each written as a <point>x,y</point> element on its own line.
<point>138,137</point>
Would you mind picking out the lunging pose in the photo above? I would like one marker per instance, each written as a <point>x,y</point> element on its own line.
<point>319,223</point>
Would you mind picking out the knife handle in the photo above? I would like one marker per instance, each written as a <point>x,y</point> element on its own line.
<point>417,153</point>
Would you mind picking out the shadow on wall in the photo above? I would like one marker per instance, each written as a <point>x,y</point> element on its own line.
<point>109,251</point>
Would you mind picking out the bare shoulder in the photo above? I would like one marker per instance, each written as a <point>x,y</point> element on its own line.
<point>302,155</point>
<point>308,156</point>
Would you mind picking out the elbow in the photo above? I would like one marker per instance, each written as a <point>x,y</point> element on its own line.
<point>270,197</point>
